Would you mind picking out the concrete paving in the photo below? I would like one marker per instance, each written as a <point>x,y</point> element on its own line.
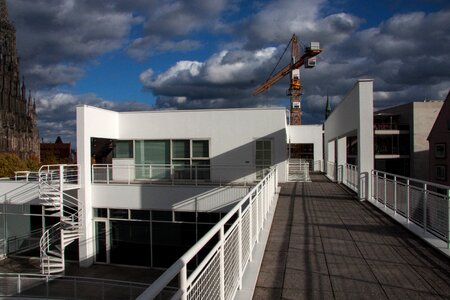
<point>325,244</point>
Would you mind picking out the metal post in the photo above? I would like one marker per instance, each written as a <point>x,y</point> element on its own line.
<point>395,195</point>
<point>240,246</point>
<point>19,287</point>
<point>107,174</point>
<point>448,219</point>
<point>129,174</point>
<point>425,198</point>
<point>250,211</point>
<point>385,192</point>
<point>407,200</point>
<point>222,264</point>
<point>183,282</point>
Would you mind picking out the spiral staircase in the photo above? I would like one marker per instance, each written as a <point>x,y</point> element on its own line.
<point>54,183</point>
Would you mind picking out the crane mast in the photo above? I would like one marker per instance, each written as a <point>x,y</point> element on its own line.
<point>308,59</point>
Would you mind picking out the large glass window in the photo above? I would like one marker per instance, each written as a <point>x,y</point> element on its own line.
<point>189,158</point>
<point>200,149</point>
<point>152,153</point>
<point>263,157</point>
<point>123,149</point>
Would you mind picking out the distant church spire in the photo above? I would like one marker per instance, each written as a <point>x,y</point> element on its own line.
<point>328,108</point>
<point>3,11</point>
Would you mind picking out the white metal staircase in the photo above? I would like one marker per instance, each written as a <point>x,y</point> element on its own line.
<point>54,182</point>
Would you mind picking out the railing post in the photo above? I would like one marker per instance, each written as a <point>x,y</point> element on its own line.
<point>385,190</point>
<point>107,173</point>
<point>129,174</point>
<point>240,246</point>
<point>407,200</point>
<point>19,286</point>
<point>425,198</point>
<point>257,215</point>
<point>395,195</point>
<point>183,282</point>
<point>448,219</point>
<point>250,213</point>
<point>222,263</point>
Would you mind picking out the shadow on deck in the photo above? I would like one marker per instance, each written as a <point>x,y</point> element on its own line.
<point>325,244</point>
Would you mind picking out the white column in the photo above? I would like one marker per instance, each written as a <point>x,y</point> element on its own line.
<point>341,158</point>
<point>86,247</point>
<point>365,136</point>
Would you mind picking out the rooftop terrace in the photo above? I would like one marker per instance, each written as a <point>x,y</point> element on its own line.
<point>325,244</point>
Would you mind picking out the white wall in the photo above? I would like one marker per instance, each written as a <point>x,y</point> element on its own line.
<point>154,197</point>
<point>91,122</point>
<point>354,115</point>
<point>232,134</point>
<point>308,134</point>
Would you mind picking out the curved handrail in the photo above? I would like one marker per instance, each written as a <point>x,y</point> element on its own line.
<point>51,189</point>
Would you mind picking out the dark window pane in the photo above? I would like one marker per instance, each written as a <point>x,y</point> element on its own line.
<point>161,215</point>
<point>185,216</point>
<point>101,212</point>
<point>200,149</point>
<point>123,149</point>
<point>140,214</point>
<point>118,213</point>
<point>180,149</point>
<point>130,243</point>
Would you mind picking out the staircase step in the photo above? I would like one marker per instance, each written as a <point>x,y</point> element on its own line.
<point>54,254</point>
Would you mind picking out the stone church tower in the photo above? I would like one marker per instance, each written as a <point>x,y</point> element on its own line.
<point>18,129</point>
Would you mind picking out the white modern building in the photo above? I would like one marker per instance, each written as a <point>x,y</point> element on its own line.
<point>155,189</point>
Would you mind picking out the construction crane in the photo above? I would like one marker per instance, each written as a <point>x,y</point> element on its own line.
<point>308,59</point>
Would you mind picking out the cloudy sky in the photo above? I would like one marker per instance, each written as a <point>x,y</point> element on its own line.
<point>172,54</point>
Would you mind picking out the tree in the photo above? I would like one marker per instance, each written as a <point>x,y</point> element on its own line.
<point>9,163</point>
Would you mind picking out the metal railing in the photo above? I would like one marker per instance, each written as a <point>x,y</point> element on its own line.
<point>219,274</point>
<point>298,170</point>
<point>25,242</point>
<point>25,176</point>
<point>52,174</point>
<point>53,181</point>
<point>67,287</point>
<point>351,177</point>
<point>172,173</point>
<point>212,200</point>
<point>3,249</point>
<point>424,203</point>
<point>331,170</point>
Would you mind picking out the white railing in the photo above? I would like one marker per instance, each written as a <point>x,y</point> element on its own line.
<point>52,174</point>
<point>25,176</point>
<point>351,177</point>
<point>3,249</point>
<point>424,203</point>
<point>172,173</point>
<point>212,200</point>
<point>298,170</point>
<point>220,272</point>
<point>67,287</point>
<point>331,170</point>
<point>53,181</point>
<point>25,242</point>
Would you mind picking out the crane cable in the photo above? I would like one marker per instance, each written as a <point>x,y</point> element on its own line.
<point>279,60</point>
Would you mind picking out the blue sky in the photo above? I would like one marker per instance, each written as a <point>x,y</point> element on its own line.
<point>171,54</point>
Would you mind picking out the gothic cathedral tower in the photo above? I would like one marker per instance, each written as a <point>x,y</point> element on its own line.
<point>18,129</point>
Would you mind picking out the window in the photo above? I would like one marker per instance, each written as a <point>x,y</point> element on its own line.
<point>118,213</point>
<point>189,158</point>
<point>441,172</point>
<point>263,157</point>
<point>155,153</point>
<point>123,149</point>
<point>200,149</point>
<point>440,150</point>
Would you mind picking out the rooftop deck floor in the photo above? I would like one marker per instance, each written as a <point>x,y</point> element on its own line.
<point>325,244</point>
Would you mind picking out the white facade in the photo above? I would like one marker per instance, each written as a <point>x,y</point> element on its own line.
<point>232,136</point>
<point>308,134</point>
<point>353,116</point>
